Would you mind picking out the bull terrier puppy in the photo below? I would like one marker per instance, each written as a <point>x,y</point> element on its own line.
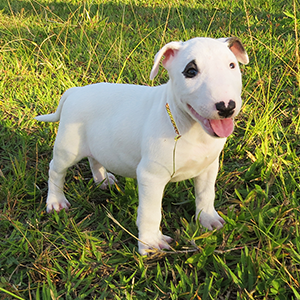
<point>127,130</point>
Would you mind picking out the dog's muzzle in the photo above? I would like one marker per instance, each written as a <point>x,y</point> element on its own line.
<point>215,127</point>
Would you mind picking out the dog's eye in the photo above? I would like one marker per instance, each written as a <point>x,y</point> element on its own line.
<point>191,70</point>
<point>232,65</point>
<point>190,73</point>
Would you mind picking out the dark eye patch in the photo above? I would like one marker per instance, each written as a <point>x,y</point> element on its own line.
<point>191,70</point>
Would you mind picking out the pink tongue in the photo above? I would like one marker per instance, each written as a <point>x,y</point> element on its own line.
<point>222,128</point>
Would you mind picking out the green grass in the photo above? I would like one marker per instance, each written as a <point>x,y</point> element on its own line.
<point>88,253</point>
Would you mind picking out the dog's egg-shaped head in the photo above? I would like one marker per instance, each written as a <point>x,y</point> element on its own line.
<point>206,80</point>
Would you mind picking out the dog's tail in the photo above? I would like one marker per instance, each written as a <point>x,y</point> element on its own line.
<point>55,116</point>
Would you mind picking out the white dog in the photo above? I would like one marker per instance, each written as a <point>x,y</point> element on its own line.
<point>127,130</point>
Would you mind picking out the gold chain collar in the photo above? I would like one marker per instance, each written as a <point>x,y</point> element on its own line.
<point>173,122</point>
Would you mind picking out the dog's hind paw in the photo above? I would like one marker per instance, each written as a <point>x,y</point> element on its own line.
<point>109,181</point>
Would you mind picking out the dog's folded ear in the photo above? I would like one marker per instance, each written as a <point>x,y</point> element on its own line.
<point>169,52</point>
<point>236,46</point>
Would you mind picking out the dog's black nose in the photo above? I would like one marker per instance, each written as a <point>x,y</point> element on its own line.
<point>224,111</point>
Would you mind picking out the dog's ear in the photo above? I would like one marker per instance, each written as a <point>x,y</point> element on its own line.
<point>236,46</point>
<point>169,51</point>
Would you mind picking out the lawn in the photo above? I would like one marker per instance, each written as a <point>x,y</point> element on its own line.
<point>90,252</point>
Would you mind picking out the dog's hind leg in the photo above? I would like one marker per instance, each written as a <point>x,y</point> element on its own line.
<point>56,199</point>
<point>100,174</point>
<point>68,150</point>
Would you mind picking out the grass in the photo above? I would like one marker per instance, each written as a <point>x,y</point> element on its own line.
<point>88,253</point>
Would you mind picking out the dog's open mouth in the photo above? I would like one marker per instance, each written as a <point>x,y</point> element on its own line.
<point>221,127</point>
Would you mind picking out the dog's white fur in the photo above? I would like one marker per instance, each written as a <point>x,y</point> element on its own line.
<point>126,129</point>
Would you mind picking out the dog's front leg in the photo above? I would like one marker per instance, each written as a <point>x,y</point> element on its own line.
<point>151,187</point>
<point>205,197</point>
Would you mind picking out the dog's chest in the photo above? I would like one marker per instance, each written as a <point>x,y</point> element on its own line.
<point>192,159</point>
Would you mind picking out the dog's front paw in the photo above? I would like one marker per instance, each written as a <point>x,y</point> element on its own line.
<point>109,181</point>
<point>211,220</point>
<point>151,242</point>
<point>57,204</point>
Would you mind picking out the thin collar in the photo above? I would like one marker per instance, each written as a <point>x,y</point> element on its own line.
<point>173,122</point>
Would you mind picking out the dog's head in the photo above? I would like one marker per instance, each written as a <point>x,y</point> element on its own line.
<point>206,80</point>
